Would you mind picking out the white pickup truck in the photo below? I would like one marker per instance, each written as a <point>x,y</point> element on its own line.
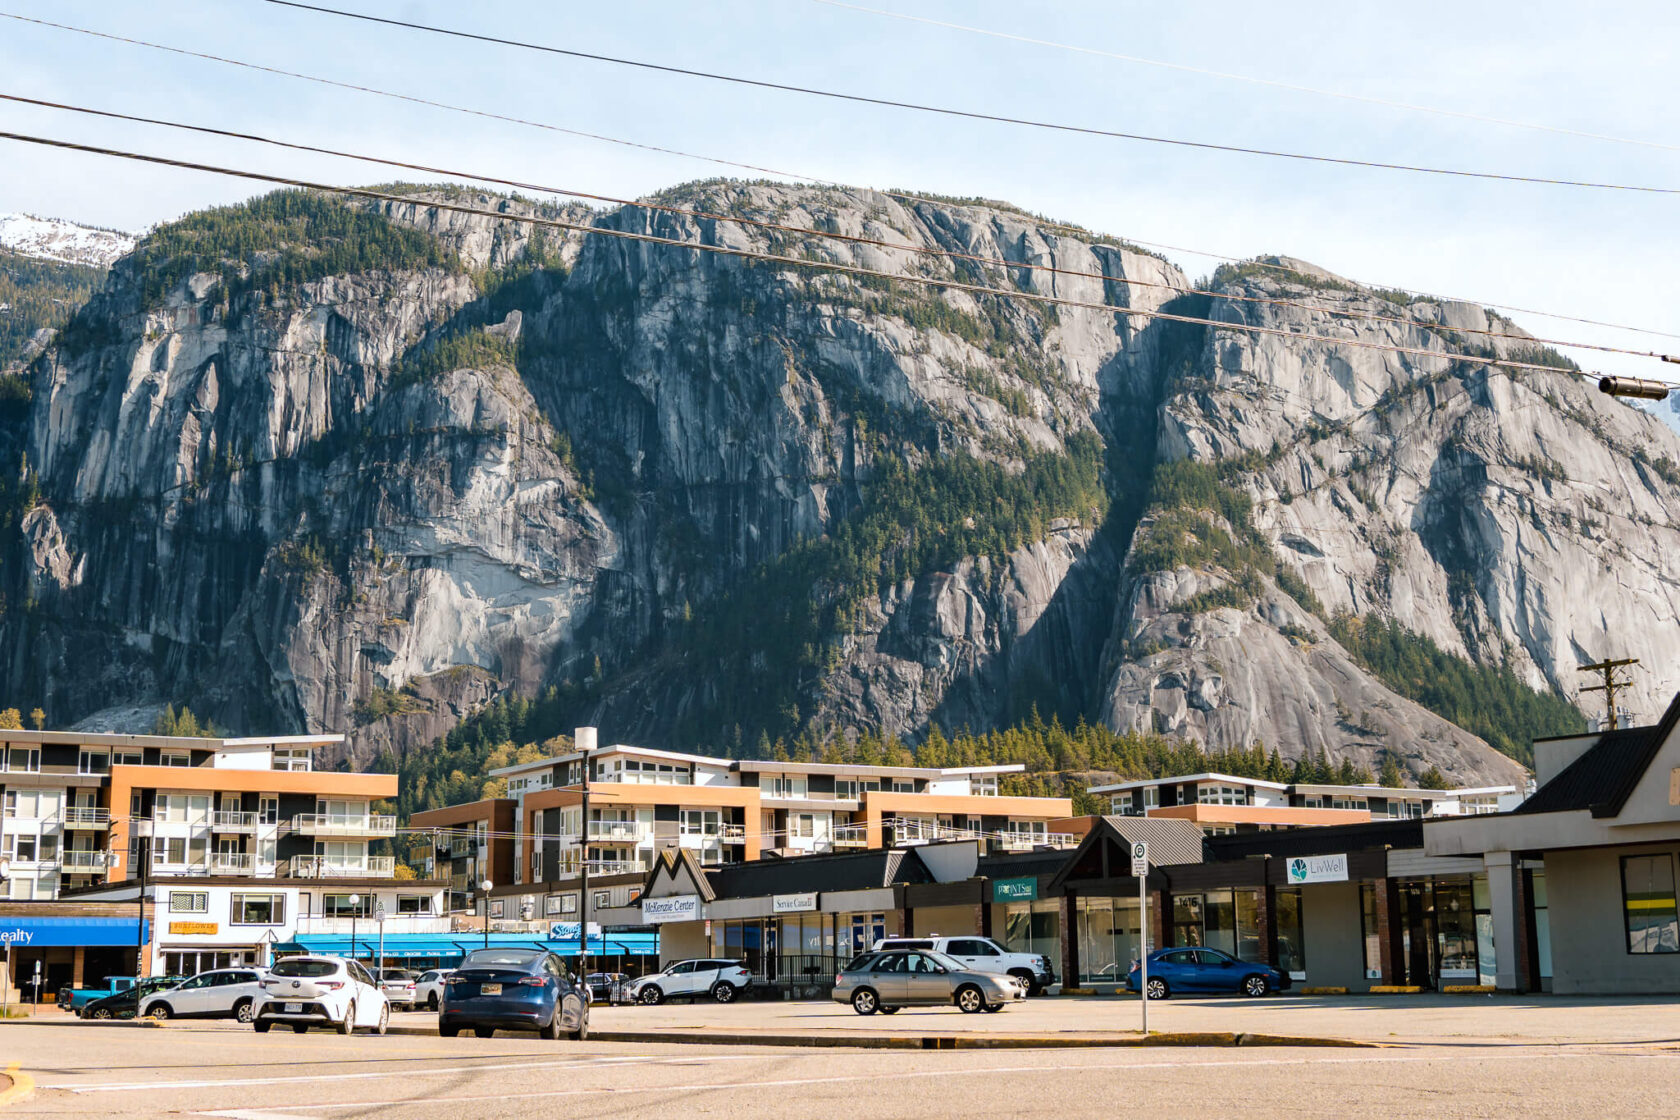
<point>983,955</point>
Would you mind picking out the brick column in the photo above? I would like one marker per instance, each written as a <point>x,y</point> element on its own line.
<point>1391,938</point>
<point>1070,940</point>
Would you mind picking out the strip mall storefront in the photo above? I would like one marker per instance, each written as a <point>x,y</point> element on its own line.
<point>45,952</point>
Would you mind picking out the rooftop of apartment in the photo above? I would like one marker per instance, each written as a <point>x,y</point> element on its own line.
<point>105,739</point>
<point>756,766</point>
<point>1334,789</point>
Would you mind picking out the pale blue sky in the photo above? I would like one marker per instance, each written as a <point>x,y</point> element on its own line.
<point>1592,253</point>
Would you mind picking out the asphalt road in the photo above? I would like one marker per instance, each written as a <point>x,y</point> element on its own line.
<point>128,1071</point>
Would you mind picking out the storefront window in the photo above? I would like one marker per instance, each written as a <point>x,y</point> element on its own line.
<point>1542,925</point>
<point>1108,938</point>
<point>1249,947</point>
<point>1034,927</point>
<point>1292,947</point>
<point>1648,904</point>
<point>1371,928</point>
<point>1455,919</point>
<point>1220,922</point>
<point>1188,927</point>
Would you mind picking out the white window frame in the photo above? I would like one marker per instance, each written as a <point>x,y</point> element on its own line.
<point>189,902</point>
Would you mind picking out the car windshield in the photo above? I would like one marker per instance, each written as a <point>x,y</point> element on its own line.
<point>943,961</point>
<point>305,966</point>
<point>502,958</point>
<point>398,975</point>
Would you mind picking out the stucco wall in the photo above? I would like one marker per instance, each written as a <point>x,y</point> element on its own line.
<point>1589,932</point>
<point>679,941</point>
<point>947,921</point>
<point>1335,950</point>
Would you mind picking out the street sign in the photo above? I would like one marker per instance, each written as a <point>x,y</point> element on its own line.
<point>379,912</point>
<point>1140,858</point>
<point>1140,871</point>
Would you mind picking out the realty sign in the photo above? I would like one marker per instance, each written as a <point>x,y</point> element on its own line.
<point>1318,869</point>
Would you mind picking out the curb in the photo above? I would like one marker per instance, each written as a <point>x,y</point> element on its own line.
<point>1322,991</point>
<point>21,1086</point>
<point>1396,990</point>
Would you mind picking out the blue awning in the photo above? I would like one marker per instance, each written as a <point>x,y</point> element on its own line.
<point>453,946</point>
<point>43,933</point>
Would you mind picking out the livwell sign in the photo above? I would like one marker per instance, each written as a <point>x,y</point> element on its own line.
<point>1318,869</point>
<point>676,908</point>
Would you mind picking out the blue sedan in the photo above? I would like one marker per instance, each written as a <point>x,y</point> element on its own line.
<point>1186,970</point>
<point>512,989</point>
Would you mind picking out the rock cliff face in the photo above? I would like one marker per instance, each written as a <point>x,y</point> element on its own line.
<point>297,495</point>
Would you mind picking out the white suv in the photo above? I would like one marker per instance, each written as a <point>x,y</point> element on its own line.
<point>722,980</point>
<point>226,993</point>
<point>982,954</point>
<point>428,989</point>
<point>321,991</point>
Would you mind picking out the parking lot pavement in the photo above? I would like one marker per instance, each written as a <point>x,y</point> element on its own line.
<point>126,1071</point>
<point>1415,1019</point>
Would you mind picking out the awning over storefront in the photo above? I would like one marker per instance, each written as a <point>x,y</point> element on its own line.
<point>42,933</point>
<point>418,946</point>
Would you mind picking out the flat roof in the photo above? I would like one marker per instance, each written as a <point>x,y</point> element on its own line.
<point>110,739</point>
<point>1400,791</point>
<point>602,752</point>
<point>755,766</point>
<point>1206,777</point>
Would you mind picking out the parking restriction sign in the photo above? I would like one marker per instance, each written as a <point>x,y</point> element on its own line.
<point>1140,858</point>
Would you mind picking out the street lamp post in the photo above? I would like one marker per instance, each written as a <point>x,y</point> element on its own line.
<point>142,831</point>
<point>6,981</point>
<point>355,905</point>
<point>584,743</point>
<point>486,885</point>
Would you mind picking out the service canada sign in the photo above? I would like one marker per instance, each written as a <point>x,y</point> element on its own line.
<point>676,908</point>
<point>1318,869</point>
<point>793,903</point>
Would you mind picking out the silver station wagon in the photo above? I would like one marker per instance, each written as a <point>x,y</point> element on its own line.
<point>888,980</point>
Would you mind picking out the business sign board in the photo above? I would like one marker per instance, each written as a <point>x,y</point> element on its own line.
<point>1015,890</point>
<point>569,931</point>
<point>1318,869</point>
<point>193,929</point>
<point>676,908</point>
<point>38,933</point>
<point>793,903</point>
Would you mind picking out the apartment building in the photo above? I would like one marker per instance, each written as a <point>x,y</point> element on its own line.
<point>80,808</point>
<point>474,842</point>
<point>1222,803</point>
<point>725,811</point>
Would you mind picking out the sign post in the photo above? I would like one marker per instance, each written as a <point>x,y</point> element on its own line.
<point>1140,871</point>
<point>379,916</point>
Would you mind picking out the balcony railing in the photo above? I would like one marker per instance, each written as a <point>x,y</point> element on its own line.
<point>233,822</point>
<point>74,860</point>
<point>79,817</point>
<point>324,867</point>
<point>232,863</point>
<point>330,824</point>
<point>734,833</point>
<point>851,836</point>
<point>604,867</point>
<point>613,830</point>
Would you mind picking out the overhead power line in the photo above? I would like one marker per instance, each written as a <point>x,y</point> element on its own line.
<point>801,263</point>
<point>807,231</point>
<point>1292,87</point>
<point>902,196</point>
<point>971,114</point>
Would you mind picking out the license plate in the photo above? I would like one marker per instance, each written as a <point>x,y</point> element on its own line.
<point>293,1008</point>
<point>491,990</point>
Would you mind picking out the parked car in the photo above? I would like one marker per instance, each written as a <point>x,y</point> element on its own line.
<point>896,978</point>
<point>428,987</point>
<point>398,986</point>
<point>1184,970</point>
<point>223,993</point>
<point>722,980</point>
<point>73,999</point>
<point>513,989</point>
<point>607,987</point>
<point>126,1003</point>
<point>982,954</point>
<point>307,991</point>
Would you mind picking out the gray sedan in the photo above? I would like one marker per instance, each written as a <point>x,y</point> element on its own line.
<point>895,978</point>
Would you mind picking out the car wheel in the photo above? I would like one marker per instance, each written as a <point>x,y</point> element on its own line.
<point>724,992</point>
<point>261,1026</point>
<point>582,1033</point>
<point>1255,985</point>
<point>300,1028</point>
<point>1158,989</point>
<point>1027,981</point>
<point>245,1010</point>
<point>349,1024</point>
<point>651,995</point>
<point>865,1002</point>
<point>448,1032</point>
<point>159,1011</point>
<point>552,1031</point>
<point>994,1008</point>
<point>484,1032</point>
<point>384,1023</point>
<point>100,1013</point>
<point>970,999</point>
<point>431,1002</point>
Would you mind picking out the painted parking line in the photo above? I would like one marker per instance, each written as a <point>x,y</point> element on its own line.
<point>295,1111</point>
<point>387,1074</point>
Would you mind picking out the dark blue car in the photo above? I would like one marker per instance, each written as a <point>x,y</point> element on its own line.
<point>1187,970</point>
<point>512,989</point>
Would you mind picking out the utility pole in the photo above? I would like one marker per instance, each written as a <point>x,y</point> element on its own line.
<point>1613,683</point>
<point>585,742</point>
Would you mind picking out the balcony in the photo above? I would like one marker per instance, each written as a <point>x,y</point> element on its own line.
<point>233,822</point>
<point>624,831</point>
<point>734,833</point>
<point>849,837</point>
<point>77,817</point>
<point>1028,841</point>
<point>233,863</point>
<point>323,867</point>
<point>329,824</point>
<point>83,862</point>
